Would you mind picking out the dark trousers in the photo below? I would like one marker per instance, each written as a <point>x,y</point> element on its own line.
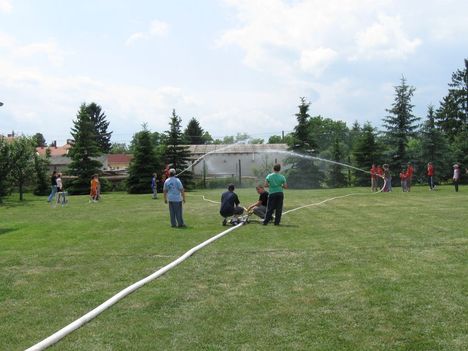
<point>275,203</point>
<point>455,183</point>
<point>430,181</point>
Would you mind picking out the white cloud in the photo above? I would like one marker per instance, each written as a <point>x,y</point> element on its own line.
<point>385,39</point>
<point>308,36</point>
<point>5,6</point>
<point>317,60</point>
<point>15,50</point>
<point>156,29</point>
<point>48,48</point>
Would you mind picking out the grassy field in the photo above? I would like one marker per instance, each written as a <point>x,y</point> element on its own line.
<point>365,272</point>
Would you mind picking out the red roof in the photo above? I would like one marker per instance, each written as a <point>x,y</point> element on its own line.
<point>119,158</point>
<point>54,150</point>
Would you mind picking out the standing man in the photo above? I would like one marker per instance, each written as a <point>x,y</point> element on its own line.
<point>276,182</point>
<point>154,185</point>
<point>260,207</point>
<point>53,184</point>
<point>175,194</point>
<point>430,175</point>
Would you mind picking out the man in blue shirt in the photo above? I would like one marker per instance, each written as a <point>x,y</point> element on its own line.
<point>174,194</point>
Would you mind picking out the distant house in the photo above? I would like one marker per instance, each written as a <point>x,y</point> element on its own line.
<point>116,162</point>
<point>59,159</point>
<point>54,149</point>
<point>246,160</point>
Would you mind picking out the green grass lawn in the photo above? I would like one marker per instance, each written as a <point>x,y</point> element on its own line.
<point>365,272</point>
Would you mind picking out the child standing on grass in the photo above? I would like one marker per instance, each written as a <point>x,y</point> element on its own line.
<point>456,176</point>
<point>60,191</point>
<point>409,176</point>
<point>403,179</point>
<point>154,185</point>
<point>95,188</point>
<point>430,175</point>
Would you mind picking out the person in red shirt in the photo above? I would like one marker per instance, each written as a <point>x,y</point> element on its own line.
<point>373,175</point>
<point>430,175</point>
<point>409,176</point>
<point>403,180</point>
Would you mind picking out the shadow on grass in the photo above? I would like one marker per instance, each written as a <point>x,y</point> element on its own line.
<point>6,230</point>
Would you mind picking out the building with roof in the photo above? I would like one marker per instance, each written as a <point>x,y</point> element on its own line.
<point>236,160</point>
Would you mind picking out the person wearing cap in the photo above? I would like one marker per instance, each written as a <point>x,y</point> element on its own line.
<point>174,194</point>
<point>456,176</point>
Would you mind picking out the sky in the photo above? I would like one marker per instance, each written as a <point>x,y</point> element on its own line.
<point>237,66</point>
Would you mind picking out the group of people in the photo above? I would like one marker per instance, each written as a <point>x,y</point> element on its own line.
<point>268,207</point>
<point>382,174</point>
<point>57,189</point>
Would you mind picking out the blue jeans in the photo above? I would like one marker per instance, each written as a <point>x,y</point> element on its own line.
<point>53,191</point>
<point>175,212</point>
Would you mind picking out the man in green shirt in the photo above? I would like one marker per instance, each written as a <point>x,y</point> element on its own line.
<point>276,182</point>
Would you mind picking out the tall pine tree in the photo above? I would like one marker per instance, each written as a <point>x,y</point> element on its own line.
<point>177,155</point>
<point>193,134</point>
<point>336,178</point>
<point>400,123</point>
<point>98,118</point>
<point>304,173</point>
<point>83,152</point>
<point>365,152</point>
<point>434,146</point>
<point>144,163</point>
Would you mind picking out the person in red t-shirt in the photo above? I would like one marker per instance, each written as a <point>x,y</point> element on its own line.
<point>430,175</point>
<point>403,180</point>
<point>409,176</point>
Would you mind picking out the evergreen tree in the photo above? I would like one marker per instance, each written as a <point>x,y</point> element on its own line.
<point>41,167</point>
<point>365,152</point>
<point>144,163</point>
<point>337,178</point>
<point>83,152</point>
<point>434,145</point>
<point>449,117</point>
<point>193,134</point>
<point>452,116</point>
<point>400,123</point>
<point>303,172</point>
<point>100,126</point>
<point>177,155</point>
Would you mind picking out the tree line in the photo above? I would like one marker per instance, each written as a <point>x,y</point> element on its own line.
<point>440,137</point>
